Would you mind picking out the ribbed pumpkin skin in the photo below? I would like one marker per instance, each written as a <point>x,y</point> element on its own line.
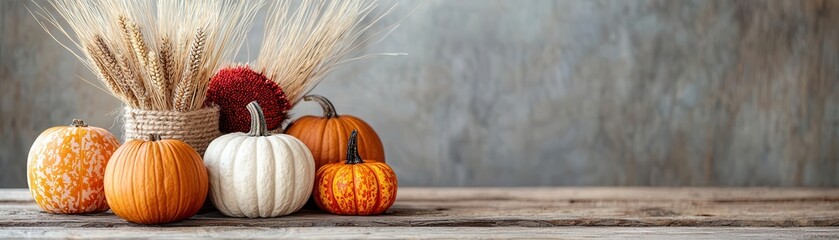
<point>355,187</point>
<point>155,182</point>
<point>367,188</point>
<point>327,138</point>
<point>66,167</point>
<point>259,176</point>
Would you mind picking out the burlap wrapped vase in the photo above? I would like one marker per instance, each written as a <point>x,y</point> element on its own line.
<point>197,128</point>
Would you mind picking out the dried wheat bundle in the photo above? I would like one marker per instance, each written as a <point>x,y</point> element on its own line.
<point>152,55</point>
<point>155,56</point>
<point>303,42</point>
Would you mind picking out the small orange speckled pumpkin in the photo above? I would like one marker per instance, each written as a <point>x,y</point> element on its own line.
<point>355,187</point>
<point>157,181</point>
<point>66,166</point>
<point>326,136</point>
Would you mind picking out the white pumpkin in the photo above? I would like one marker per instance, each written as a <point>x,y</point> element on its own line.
<point>257,174</point>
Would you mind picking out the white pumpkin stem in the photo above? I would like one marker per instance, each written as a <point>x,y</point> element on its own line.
<point>258,126</point>
<point>325,104</point>
<point>78,123</point>
<point>352,149</point>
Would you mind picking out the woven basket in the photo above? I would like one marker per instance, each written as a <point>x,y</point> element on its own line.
<point>197,128</point>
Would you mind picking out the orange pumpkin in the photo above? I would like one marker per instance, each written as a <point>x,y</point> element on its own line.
<point>66,166</point>
<point>355,187</point>
<point>157,181</point>
<point>327,136</point>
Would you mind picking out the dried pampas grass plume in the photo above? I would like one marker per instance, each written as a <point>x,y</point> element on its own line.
<point>303,44</point>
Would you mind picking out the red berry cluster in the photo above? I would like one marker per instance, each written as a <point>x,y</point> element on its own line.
<point>233,88</point>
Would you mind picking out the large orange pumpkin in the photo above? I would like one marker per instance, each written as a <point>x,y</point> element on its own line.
<point>327,136</point>
<point>157,181</point>
<point>66,166</point>
<point>355,187</point>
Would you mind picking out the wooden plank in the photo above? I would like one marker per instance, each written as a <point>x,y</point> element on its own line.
<point>231,232</point>
<point>515,207</point>
<point>582,194</point>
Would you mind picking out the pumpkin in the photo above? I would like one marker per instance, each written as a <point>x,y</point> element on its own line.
<point>156,181</point>
<point>66,166</point>
<point>257,174</point>
<point>355,187</point>
<point>327,136</point>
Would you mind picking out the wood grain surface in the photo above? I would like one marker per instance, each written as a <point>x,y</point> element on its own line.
<point>426,233</point>
<point>489,212</point>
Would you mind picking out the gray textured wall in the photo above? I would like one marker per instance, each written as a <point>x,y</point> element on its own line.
<point>509,93</point>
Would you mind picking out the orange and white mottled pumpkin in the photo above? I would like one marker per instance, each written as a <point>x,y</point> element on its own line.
<point>66,167</point>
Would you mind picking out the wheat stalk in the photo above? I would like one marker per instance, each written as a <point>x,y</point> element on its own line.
<point>104,72</point>
<point>185,89</point>
<point>133,81</point>
<point>110,65</point>
<point>139,45</point>
<point>158,80</point>
<point>107,63</point>
<point>167,63</point>
<point>125,29</point>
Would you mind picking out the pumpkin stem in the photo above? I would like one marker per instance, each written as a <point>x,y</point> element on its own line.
<point>154,137</point>
<point>78,123</point>
<point>258,126</point>
<point>325,104</point>
<point>352,149</point>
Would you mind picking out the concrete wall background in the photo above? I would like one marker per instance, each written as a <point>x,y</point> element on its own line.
<point>521,93</point>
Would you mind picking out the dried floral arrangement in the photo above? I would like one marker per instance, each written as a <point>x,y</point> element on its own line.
<point>158,58</point>
<point>302,44</point>
<point>155,56</point>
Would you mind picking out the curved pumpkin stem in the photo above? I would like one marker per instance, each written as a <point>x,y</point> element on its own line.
<point>78,123</point>
<point>352,149</point>
<point>154,137</point>
<point>325,104</point>
<point>258,126</point>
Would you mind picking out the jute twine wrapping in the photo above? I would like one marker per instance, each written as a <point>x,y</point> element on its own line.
<point>197,128</point>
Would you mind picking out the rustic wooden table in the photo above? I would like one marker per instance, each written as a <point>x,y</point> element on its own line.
<point>665,213</point>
